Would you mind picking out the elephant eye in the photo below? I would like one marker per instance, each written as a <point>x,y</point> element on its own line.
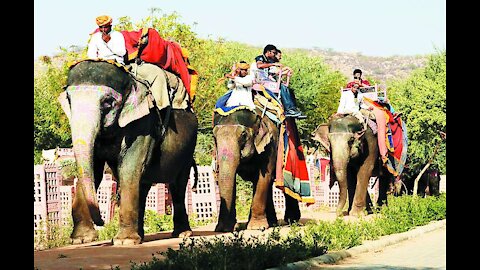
<point>107,102</point>
<point>351,140</point>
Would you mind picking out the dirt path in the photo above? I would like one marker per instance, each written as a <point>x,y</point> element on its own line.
<point>102,255</point>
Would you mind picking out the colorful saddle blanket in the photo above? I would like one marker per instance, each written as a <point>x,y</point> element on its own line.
<point>392,137</point>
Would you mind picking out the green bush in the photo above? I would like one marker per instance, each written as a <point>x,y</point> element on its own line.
<point>314,239</point>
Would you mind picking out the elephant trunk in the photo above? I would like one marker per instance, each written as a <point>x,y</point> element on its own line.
<point>340,157</point>
<point>85,125</point>
<point>228,158</point>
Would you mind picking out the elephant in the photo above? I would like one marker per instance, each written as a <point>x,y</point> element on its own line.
<point>113,122</point>
<point>246,144</point>
<point>355,158</point>
<point>428,184</point>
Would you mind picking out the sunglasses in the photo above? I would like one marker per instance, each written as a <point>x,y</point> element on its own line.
<point>356,78</point>
<point>104,26</point>
<point>244,69</point>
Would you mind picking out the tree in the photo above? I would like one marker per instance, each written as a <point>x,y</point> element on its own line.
<point>422,100</point>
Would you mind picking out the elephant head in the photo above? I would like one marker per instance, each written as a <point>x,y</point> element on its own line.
<point>100,98</point>
<point>241,141</point>
<point>345,138</point>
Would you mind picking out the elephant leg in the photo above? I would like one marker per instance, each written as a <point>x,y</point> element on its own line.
<point>292,210</point>
<point>83,229</point>
<point>359,201</point>
<point>351,186</point>
<point>258,217</point>
<point>131,169</point>
<point>383,187</point>
<point>271,214</point>
<point>422,185</point>
<point>144,189</point>
<point>181,226</point>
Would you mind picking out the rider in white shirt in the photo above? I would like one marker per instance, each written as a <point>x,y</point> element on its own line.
<point>106,43</point>
<point>240,82</point>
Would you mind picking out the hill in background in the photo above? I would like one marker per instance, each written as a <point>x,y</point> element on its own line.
<point>379,68</point>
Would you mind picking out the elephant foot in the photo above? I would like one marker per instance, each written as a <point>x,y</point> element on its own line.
<point>83,234</point>
<point>358,212</point>
<point>291,218</point>
<point>182,234</point>
<point>258,224</point>
<point>341,213</point>
<point>223,227</point>
<point>126,238</point>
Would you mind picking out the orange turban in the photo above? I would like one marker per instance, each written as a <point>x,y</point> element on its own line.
<point>103,20</point>
<point>243,65</point>
<point>185,53</point>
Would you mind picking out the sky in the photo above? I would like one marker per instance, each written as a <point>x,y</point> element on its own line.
<point>370,27</point>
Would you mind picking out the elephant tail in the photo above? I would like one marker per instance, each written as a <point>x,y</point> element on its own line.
<point>195,176</point>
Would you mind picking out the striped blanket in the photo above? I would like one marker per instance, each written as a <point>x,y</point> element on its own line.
<point>392,138</point>
<point>291,170</point>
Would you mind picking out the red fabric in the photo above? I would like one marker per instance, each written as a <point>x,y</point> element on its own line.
<point>350,84</point>
<point>295,161</point>
<point>397,137</point>
<point>163,53</point>
<point>323,168</point>
<point>396,129</point>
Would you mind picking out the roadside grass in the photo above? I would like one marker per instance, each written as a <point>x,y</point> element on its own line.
<point>301,242</point>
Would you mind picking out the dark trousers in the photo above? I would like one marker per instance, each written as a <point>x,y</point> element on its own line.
<point>287,98</point>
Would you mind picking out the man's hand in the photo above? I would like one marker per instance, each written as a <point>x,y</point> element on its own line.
<point>106,37</point>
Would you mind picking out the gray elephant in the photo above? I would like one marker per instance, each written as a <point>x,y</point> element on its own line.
<point>246,144</point>
<point>355,158</point>
<point>113,122</point>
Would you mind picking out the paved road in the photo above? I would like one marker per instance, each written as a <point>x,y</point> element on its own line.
<point>426,251</point>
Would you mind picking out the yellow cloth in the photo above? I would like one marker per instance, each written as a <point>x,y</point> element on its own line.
<point>243,66</point>
<point>103,20</point>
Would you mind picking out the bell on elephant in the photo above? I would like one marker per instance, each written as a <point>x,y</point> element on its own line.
<point>112,122</point>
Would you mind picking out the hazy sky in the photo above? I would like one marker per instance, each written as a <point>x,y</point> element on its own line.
<point>371,27</point>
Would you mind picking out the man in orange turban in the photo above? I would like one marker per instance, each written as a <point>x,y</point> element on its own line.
<point>106,43</point>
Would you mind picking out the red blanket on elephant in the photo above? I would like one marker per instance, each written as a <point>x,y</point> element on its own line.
<point>291,170</point>
<point>392,138</point>
<point>163,53</point>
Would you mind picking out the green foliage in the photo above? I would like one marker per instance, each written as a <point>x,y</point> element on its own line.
<point>244,198</point>
<point>110,229</point>
<point>234,252</point>
<point>154,222</point>
<point>314,239</point>
<point>50,124</point>
<point>54,236</point>
<point>422,100</point>
<point>68,168</point>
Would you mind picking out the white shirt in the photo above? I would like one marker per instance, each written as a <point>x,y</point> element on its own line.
<point>114,49</point>
<point>242,91</point>
<point>349,104</point>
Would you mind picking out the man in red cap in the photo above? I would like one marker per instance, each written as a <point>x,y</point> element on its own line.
<point>106,43</point>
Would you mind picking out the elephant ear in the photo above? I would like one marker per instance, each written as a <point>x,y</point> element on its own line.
<point>138,104</point>
<point>321,135</point>
<point>262,138</point>
<point>62,98</point>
